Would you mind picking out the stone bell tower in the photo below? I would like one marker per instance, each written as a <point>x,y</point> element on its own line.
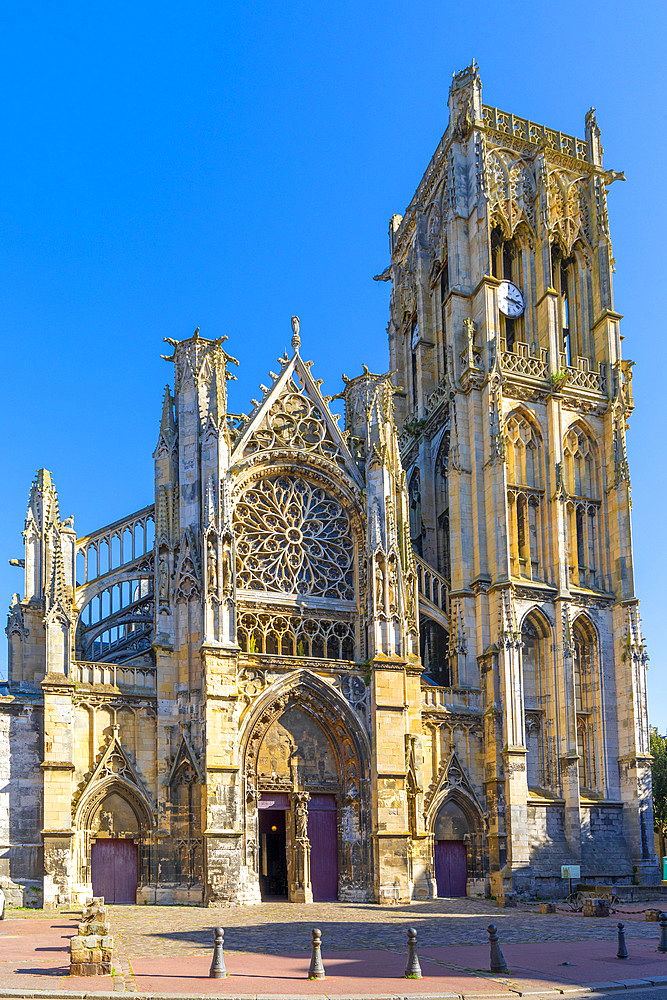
<point>516,400</point>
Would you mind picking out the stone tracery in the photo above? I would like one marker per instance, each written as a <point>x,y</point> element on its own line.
<point>295,538</point>
<point>294,422</point>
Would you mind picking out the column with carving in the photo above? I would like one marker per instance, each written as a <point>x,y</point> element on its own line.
<point>300,888</point>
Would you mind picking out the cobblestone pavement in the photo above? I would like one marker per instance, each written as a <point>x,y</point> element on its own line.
<point>275,928</point>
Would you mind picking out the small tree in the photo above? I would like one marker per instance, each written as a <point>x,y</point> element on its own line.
<point>658,746</point>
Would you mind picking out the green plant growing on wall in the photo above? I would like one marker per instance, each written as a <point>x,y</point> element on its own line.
<point>557,379</point>
<point>415,427</point>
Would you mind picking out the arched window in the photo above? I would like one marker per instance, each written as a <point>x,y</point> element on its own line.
<point>563,276</point>
<point>582,482</point>
<point>434,651</point>
<point>535,652</point>
<point>444,293</point>
<point>525,495</point>
<point>412,340</point>
<point>585,659</point>
<point>415,510</point>
<point>506,264</point>
<point>572,280</point>
<point>442,507</point>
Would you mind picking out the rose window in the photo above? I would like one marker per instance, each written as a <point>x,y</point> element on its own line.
<point>293,537</point>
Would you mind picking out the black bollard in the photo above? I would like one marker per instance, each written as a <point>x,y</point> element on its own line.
<point>413,968</point>
<point>498,963</point>
<point>622,950</point>
<point>316,969</point>
<point>218,970</point>
<point>663,933</point>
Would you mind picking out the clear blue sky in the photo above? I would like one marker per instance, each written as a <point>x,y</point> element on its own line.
<point>225,164</point>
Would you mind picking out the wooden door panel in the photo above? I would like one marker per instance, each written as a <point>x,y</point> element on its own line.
<point>451,867</point>
<point>323,836</point>
<point>114,870</point>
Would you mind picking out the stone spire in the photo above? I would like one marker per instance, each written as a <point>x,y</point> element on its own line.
<point>167,433</point>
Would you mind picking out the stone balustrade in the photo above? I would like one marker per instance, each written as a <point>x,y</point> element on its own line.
<point>114,675</point>
<point>528,131</point>
<point>451,699</point>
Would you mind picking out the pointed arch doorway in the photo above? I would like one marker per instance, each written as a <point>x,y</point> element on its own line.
<point>452,834</point>
<point>306,762</point>
<point>115,832</point>
<point>114,850</point>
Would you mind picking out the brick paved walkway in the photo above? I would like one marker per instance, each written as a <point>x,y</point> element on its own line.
<point>167,950</point>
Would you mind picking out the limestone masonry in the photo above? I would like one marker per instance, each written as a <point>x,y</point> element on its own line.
<point>382,663</point>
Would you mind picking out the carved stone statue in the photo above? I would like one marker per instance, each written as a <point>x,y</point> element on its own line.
<point>212,562</point>
<point>227,571</point>
<point>393,586</point>
<point>379,587</point>
<point>163,579</point>
<point>301,815</point>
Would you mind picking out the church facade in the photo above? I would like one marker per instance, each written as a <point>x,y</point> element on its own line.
<point>385,662</point>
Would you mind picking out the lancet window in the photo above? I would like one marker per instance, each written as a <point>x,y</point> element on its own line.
<point>413,334</point>
<point>525,495</point>
<point>434,651</point>
<point>416,523</point>
<point>585,661</point>
<point>535,653</point>
<point>582,483</point>
<point>183,861</point>
<point>573,284</point>
<point>506,264</point>
<point>442,506</point>
<point>442,285</point>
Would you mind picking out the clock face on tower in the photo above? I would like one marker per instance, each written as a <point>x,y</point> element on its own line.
<point>510,299</point>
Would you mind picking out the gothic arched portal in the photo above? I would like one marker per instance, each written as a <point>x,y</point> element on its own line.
<point>457,824</point>
<point>305,755</point>
<point>113,840</point>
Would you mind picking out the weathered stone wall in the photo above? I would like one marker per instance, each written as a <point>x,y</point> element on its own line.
<point>21,853</point>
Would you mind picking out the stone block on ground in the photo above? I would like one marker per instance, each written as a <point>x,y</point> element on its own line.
<point>91,950</point>
<point>595,906</point>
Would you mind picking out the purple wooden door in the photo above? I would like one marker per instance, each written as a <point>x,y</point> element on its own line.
<point>451,867</point>
<point>114,870</point>
<point>323,836</point>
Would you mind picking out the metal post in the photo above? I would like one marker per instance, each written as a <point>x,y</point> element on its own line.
<point>218,970</point>
<point>413,968</point>
<point>663,933</point>
<point>316,969</point>
<point>498,963</point>
<point>622,950</point>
